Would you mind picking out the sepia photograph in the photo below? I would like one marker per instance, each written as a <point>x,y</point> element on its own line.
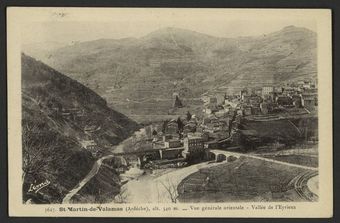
<point>170,106</point>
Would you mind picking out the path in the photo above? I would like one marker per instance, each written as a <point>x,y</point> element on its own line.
<point>301,187</point>
<point>96,166</point>
<point>92,173</point>
<point>313,185</point>
<point>227,153</point>
<point>162,189</point>
<point>305,183</point>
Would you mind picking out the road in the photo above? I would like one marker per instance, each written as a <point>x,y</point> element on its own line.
<point>313,152</point>
<point>313,185</point>
<point>87,178</point>
<point>305,184</point>
<point>95,168</point>
<point>163,188</point>
<point>302,188</point>
<point>227,153</point>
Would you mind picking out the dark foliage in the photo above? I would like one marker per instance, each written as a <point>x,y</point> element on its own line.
<point>55,112</point>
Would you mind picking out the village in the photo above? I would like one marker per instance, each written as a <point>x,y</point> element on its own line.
<point>275,125</point>
<point>254,118</point>
<point>251,119</point>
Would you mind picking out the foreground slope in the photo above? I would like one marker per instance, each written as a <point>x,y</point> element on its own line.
<point>59,117</point>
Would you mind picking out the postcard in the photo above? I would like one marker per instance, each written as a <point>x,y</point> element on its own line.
<point>169,112</point>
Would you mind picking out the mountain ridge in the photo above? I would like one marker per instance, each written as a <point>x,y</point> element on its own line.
<point>177,60</point>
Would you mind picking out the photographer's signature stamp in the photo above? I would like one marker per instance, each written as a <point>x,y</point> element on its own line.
<point>36,187</point>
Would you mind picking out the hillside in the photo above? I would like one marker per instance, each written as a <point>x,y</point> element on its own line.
<point>135,74</point>
<point>56,111</point>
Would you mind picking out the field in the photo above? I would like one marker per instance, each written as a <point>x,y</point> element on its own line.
<point>243,180</point>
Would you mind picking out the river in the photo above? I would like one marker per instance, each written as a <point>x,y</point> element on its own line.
<point>96,166</point>
<point>161,186</point>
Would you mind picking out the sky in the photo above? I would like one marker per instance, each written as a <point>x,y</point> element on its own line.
<point>67,26</point>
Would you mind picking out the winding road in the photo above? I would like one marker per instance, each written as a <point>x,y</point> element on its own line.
<point>305,184</point>
<point>162,187</point>
<point>96,166</point>
<point>313,185</point>
<point>88,177</point>
<point>302,188</point>
<point>227,153</point>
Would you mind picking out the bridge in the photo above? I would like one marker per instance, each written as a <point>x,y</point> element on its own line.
<point>221,155</point>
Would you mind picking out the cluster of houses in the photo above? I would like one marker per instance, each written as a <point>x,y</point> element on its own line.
<point>220,125</point>
<point>181,138</point>
<point>222,114</point>
<point>88,142</point>
<point>265,100</point>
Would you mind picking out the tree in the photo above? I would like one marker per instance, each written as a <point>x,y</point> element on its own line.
<point>189,116</point>
<point>164,126</point>
<point>180,124</point>
<point>171,189</point>
<point>178,102</point>
<point>154,132</point>
<point>33,148</point>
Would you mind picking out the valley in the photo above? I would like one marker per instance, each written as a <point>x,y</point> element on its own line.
<point>131,73</point>
<point>110,119</point>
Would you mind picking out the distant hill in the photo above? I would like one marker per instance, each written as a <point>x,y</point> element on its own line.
<point>131,70</point>
<point>42,50</point>
<point>56,111</point>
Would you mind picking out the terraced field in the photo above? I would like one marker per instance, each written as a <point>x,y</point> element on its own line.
<point>246,179</point>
